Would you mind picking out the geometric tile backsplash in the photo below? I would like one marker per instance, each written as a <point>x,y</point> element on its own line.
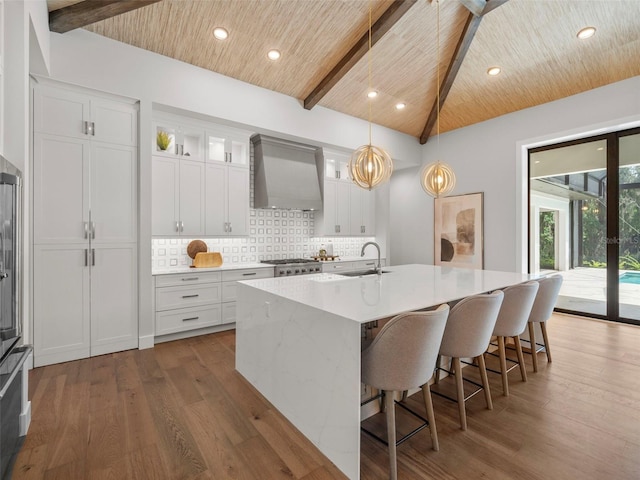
<point>273,234</point>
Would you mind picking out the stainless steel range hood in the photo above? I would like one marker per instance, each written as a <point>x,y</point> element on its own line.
<point>286,174</point>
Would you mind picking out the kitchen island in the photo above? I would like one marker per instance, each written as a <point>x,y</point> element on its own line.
<point>298,340</point>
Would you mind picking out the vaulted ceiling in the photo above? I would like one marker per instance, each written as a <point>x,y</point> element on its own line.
<point>325,60</point>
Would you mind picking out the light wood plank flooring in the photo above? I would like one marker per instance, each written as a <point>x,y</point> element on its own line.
<point>180,411</point>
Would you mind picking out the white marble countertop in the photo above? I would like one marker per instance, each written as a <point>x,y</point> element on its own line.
<point>224,266</point>
<point>403,288</point>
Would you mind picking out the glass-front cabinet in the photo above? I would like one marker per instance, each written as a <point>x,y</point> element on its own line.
<point>174,139</point>
<point>336,165</point>
<point>227,146</point>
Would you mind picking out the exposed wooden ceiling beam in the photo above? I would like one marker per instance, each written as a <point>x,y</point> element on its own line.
<point>91,11</point>
<point>468,32</point>
<point>475,6</point>
<point>492,5</point>
<point>388,19</point>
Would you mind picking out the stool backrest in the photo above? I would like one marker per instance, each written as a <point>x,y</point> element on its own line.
<point>548,291</point>
<point>470,325</point>
<point>515,309</point>
<point>403,354</point>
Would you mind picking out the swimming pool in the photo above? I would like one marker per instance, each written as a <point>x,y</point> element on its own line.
<point>630,277</point>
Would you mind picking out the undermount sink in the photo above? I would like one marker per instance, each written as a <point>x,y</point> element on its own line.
<point>360,273</point>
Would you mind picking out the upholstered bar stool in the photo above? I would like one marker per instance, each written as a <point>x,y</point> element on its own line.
<point>511,322</point>
<point>467,335</point>
<point>545,302</point>
<point>401,357</point>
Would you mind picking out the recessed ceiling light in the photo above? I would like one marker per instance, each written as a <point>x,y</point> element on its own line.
<point>273,54</point>
<point>600,149</point>
<point>220,33</point>
<point>372,94</point>
<point>586,32</point>
<point>493,71</point>
<point>400,106</point>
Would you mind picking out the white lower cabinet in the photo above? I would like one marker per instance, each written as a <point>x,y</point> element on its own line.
<point>343,266</point>
<point>85,302</point>
<point>199,299</point>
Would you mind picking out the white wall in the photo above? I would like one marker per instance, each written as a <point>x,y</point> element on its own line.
<point>490,157</point>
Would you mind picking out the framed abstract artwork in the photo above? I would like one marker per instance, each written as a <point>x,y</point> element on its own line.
<point>458,231</point>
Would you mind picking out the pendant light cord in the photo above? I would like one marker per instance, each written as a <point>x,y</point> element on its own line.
<point>438,77</point>
<point>369,80</point>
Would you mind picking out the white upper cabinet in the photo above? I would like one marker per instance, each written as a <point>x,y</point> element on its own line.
<point>348,210</point>
<point>72,114</point>
<point>362,207</point>
<point>336,165</point>
<point>227,146</point>
<point>200,180</point>
<point>174,138</point>
<point>177,197</point>
<point>227,200</point>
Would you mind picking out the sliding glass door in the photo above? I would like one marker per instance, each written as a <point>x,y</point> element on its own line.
<point>629,226</point>
<point>584,222</point>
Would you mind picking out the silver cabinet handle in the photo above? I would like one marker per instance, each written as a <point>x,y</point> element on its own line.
<point>86,229</point>
<point>191,296</point>
<point>93,230</point>
<point>230,227</point>
<point>248,274</point>
<point>177,226</point>
<point>90,128</point>
<point>190,279</point>
<point>182,226</point>
<point>226,224</point>
<point>189,319</point>
<point>230,157</point>
<point>93,257</point>
<point>86,257</point>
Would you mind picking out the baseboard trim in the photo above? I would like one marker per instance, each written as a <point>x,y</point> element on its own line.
<point>145,342</point>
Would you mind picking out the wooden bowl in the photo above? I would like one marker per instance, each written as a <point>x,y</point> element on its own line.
<point>195,247</point>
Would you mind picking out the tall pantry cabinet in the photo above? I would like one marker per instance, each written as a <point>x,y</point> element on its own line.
<point>85,207</point>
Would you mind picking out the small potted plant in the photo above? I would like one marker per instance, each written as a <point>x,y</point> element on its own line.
<point>163,140</point>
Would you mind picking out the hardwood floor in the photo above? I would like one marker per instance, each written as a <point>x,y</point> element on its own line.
<point>180,411</point>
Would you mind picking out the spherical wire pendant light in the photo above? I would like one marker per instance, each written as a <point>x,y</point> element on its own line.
<point>370,165</point>
<point>437,178</point>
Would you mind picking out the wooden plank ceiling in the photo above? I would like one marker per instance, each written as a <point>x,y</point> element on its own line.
<point>533,41</point>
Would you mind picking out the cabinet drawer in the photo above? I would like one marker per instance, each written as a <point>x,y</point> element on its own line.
<point>247,274</point>
<point>228,312</point>
<point>187,278</point>
<point>338,267</point>
<point>229,291</point>
<point>187,319</point>
<point>168,298</point>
